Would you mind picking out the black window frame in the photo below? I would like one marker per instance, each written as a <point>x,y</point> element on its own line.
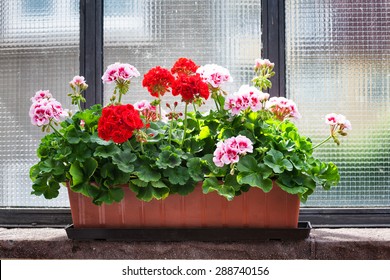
<point>91,67</point>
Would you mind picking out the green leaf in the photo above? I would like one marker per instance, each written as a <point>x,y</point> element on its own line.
<point>196,146</point>
<point>183,189</point>
<point>139,183</point>
<point>107,151</point>
<point>72,135</point>
<point>212,184</point>
<point>275,160</point>
<point>81,172</point>
<point>178,175</point>
<point>168,159</point>
<point>117,177</point>
<point>80,152</point>
<point>159,185</point>
<point>90,116</point>
<point>86,189</point>
<point>149,192</point>
<point>62,153</point>
<point>106,171</point>
<point>52,166</point>
<point>254,180</point>
<point>247,164</point>
<point>226,133</point>
<point>89,167</point>
<point>195,169</point>
<point>231,181</point>
<point>147,174</point>
<point>204,132</point>
<point>297,162</point>
<point>124,161</point>
<point>34,172</point>
<point>291,189</point>
<point>109,195</point>
<point>96,139</point>
<point>330,176</point>
<point>116,194</point>
<point>208,159</point>
<point>77,173</point>
<point>47,188</point>
<point>325,174</point>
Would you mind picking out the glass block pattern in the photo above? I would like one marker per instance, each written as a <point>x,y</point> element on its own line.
<point>39,49</point>
<point>155,32</point>
<point>338,60</point>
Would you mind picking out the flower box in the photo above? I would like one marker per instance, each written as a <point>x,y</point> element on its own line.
<point>253,209</point>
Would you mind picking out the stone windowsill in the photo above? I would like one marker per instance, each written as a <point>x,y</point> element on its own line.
<point>49,243</point>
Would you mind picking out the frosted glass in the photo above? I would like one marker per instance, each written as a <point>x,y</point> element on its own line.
<point>338,60</point>
<point>39,49</point>
<point>155,32</point>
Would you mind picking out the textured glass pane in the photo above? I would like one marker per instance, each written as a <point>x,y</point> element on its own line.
<point>155,32</point>
<point>338,60</point>
<point>39,49</point>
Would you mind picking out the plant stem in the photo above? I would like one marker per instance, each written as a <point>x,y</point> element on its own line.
<point>326,140</point>
<point>185,124</point>
<point>129,144</point>
<point>280,124</point>
<point>120,97</point>
<point>196,111</point>
<point>159,107</point>
<point>170,131</point>
<point>113,97</point>
<point>79,104</point>
<point>216,105</point>
<point>193,105</point>
<point>217,96</point>
<point>55,130</point>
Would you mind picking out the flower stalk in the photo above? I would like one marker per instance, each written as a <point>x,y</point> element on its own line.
<point>185,124</point>
<point>322,142</point>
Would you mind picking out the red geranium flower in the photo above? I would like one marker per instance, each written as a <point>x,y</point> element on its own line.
<point>118,122</point>
<point>184,66</point>
<point>190,88</point>
<point>158,81</point>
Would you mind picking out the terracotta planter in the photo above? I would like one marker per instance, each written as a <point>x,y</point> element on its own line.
<point>254,209</point>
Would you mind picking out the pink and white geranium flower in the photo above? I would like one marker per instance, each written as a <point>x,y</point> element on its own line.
<point>119,72</point>
<point>246,97</point>
<point>214,75</point>
<point>228,151</point>
<point>78,81</point>
<point>149,111</point>
<point>41,94</point>
<point>283,108</point>
<point>240,143</point>
<point>261,63</point>
<point>338,122</point>
<point>143,105</point>
<point>45,109</point>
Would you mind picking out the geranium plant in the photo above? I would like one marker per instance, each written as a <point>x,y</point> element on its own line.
<point>248,140</point>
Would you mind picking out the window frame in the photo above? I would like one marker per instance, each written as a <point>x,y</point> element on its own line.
<point>91,67</point>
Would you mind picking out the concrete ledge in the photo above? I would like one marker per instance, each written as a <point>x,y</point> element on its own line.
<point>48,243</point>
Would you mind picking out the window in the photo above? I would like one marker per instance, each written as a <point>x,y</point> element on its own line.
<point>338,60</point>
<point>39,49</point>
<point>225,32</point>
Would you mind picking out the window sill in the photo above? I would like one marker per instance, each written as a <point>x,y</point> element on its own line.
<point>343,243</point>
